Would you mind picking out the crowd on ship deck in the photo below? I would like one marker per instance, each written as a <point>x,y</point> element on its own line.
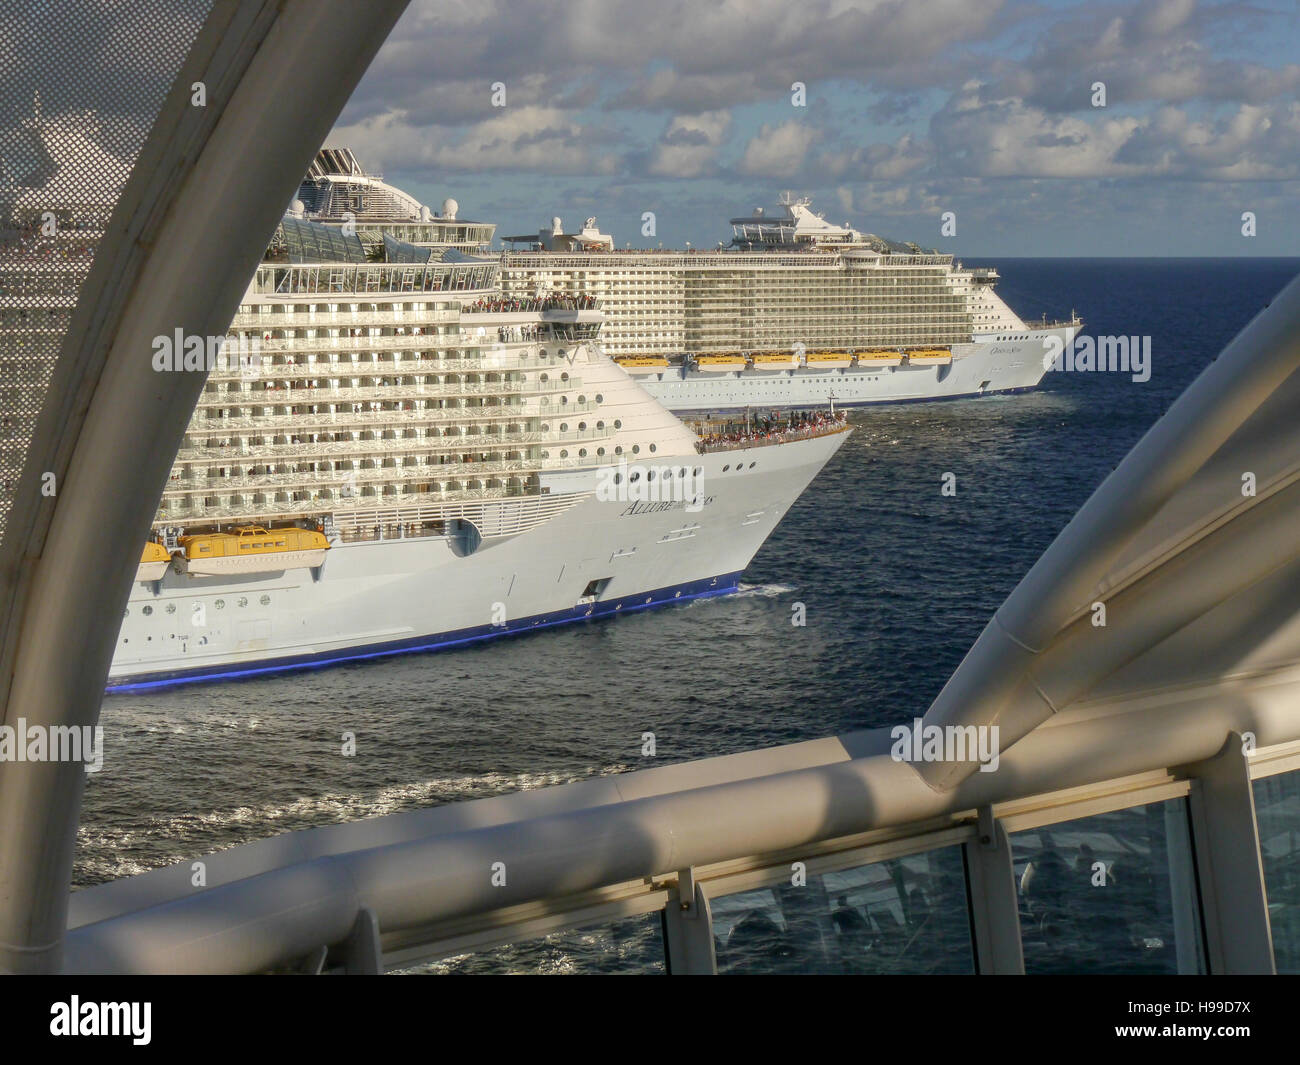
<point>518,305</point>
<point>758,432</point>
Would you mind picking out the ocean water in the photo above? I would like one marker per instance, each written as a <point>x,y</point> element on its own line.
<point>896,580</point>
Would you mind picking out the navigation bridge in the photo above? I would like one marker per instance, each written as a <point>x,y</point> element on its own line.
<point>1144,786</point>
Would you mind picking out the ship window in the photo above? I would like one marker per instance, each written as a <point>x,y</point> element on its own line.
<point>635,475</point>
<point>171,608</point>
<point>618,423</point>
<point>243,600</point>
<point>220,604</point>
<point>582,452</point>
<point>600,398</point>
<point>654,447</point>
<point>650,475</point>
<point>265,600</point>
<point>146,611</point>
<point>726,467</point>
<point>752,465</point>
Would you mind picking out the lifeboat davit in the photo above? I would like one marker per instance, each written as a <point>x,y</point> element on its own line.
<point>252,549</point>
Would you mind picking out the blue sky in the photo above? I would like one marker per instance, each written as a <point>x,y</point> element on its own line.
<point>913,108</point>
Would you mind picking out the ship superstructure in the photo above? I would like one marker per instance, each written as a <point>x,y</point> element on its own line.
<point>796,312</point>
<point>391,453</point>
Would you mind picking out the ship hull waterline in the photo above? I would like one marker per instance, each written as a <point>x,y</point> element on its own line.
<point>978,369</point>
<point>600,558</point>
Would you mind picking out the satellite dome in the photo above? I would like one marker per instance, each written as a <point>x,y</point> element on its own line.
<point>758,212</point>
<point>556,225</point>
<point>297,208</point>
<point>449,208</point>
<point>426,215</point>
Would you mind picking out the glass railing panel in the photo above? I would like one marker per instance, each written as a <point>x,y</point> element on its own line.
<point>1112,893</point>
<point>1277,813</point>
<point>906,915</point>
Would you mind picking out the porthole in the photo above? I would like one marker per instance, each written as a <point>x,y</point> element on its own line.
<point>581,426</point>
<point>265,600</point>
<point>564,427</point>
<point>600,398</point>
<point>636,449</point>
<point>699,470</point>
<point>635,475</point>
<point>618,423</point>
<point>650,475</point>
<point>726,467</point>
<point>243,600</point>
<point>220,604</point>
<point>564,454</point>
<point>618,478</point>
<point>752,465</point>
<point>582,453</point>
<point>654,447</point>
<point>668,475</point>
<point>146,611</point>
<point>600,451</point>
<point>582,399</point>
<point>171,608</point>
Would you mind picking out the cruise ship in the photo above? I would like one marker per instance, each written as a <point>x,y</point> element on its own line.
<point>393,454</point>
<point>797,312</point>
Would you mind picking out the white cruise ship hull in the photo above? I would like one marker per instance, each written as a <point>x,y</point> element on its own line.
<point>980,368</point>
<point>376,598</point>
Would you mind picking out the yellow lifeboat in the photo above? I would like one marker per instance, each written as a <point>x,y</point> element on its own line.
<point>153,563</point>
<point>930,356</point>
<point>720,363</point>
<point>881,357</point>
<point>252,549</point>
<point>635,364</point>
<point>775,362</point>
<point>828,360</point>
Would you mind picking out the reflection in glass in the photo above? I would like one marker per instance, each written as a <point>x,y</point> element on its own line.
<point>908,915</point>
<point>1277,812</point>
<point>1113,893</point>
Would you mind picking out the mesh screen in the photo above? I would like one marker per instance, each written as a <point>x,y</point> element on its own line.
<point>81,82</point>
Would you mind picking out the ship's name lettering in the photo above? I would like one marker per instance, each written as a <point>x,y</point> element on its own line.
<point>663,505</point>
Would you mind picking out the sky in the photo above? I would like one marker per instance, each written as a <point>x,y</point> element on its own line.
<point>988,109</point>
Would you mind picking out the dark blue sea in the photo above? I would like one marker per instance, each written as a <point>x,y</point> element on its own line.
<point>896,578</point>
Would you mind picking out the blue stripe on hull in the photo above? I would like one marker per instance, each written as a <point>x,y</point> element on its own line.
<point>701,589</point>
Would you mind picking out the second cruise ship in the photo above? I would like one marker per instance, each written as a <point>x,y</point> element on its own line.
<point>797,312</point>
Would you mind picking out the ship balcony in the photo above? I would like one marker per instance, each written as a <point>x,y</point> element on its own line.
<point>486,361</point>
<point>406,507</point>
<point>259,323</point>
<point>212,426</point>
<point>375,393</point>
<point>340,479</point>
